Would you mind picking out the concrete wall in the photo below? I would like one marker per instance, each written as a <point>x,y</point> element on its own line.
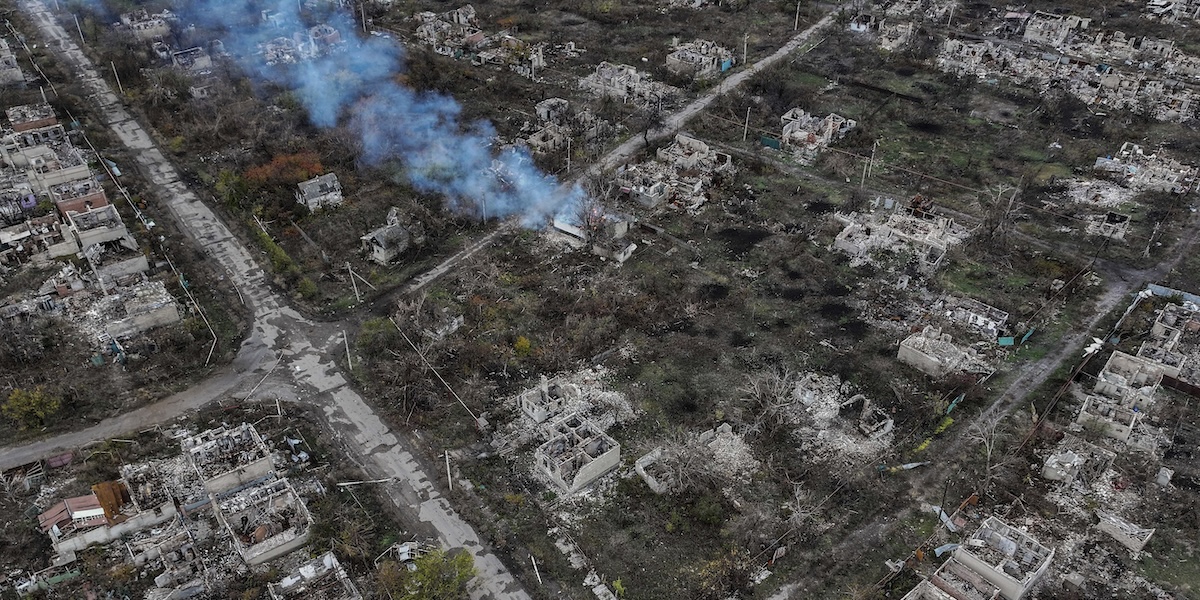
<point>98,235</point>
<point>925,363</point>
<point>137,264</point>
<point>597,467</point>
<point>49,179</point>
<point>240,477</point>
<point>105,535</point>
<point>277,551</point>
<point>163,315</point>
<point>66,247</point>
<point>1010,588</point>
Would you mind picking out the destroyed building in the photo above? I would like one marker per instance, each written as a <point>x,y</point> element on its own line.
<point>320,192</point>
<point>684,171</point>
<point>1111,225</point>
<point>1128,534</point>
<point>1093,81</point>
<point>145,26</point>
<point>1077,459</point>
<point>1053,30</point>
<point>1006,557</point>
<point>927,238</point>
<point>387,243</point>
<point>627,84</point>
<point>321,578</point>
<point>700,59</point>
<point>192,59</point>
<point>1136,169</point>
<point>996,561</point>
<point>266,521</point>
<point>548,399</point>
<point>806,134</point>
<point>984,318</point>
<point>449,33</point>
<point>104,516</point>
<point>689,153</point>
<point>184,573</point>
<point>227,458</point>
<point>725,450</point>
<point>893,36</point>
<point>144,306</point>
<point>577,454</point>
<point>604,233</point>
<point>935,354</point>
<point>10,71</point>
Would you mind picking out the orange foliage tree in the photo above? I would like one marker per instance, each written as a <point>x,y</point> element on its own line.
<point>285,169</point>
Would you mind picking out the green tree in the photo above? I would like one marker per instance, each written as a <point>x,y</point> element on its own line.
<point>439,576</point>
<point>31,408</point>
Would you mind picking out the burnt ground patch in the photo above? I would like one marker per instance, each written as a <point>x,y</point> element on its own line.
<point>739,240</point>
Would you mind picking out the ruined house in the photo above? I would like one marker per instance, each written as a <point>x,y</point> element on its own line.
<point>1174,343</point>
<point>321,578</point>
<point>184,573</point>
<point>700,59</point>
<point>577,454</point>
<point>1004,557</point>
<point>320,192</point>
<point>806,135</point>
<point>552,137</point>
<point>1133,167</point>
<point>225,459</point>
<point>547,399</point>
<point>145,26</point>
<point>1077,459</point>
<point>385,244</point>
<point>193,59</point>
<point>893,36</point>
<point>1111,225</point>
<point>689,153</point>
<point>1128,534</point>
<point>266,521</point>
<point>926,238</point>
<point>627,84</point>
<point>927,590</point>
<point>100,225</point>
<point>551,110</point>
<point>145,306</point>
<point>449,33</point>
<point>1049,29</point>
<point>10,71</point>
<point>104,516</point>
<point>984,318</point>
<point>644,185</point>
<point>935,354</point>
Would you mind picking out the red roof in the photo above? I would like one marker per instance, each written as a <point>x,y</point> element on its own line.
<point>66,511</point>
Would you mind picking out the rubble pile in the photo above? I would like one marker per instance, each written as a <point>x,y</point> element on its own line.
<point>828,422</point>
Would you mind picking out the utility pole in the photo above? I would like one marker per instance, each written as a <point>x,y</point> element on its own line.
<point>363,11</point>
<point>871,168</point>
<point>745,46</point>
<point>118,77</point>
<point>1150,240</point>
<point>568,154</point>
<point>78,28</point>
<point>796,26</point>
<point>746,128</point>
<point>357,297</point>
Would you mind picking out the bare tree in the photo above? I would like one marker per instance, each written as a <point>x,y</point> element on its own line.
<point>773,394</point>
<point>986,432</point>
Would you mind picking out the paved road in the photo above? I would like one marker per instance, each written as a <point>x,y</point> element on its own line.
<point>676,121</point>
<point>300,351</point>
